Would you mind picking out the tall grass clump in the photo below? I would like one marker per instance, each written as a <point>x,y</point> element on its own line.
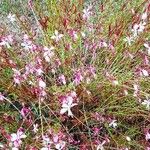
<point>74,75</point>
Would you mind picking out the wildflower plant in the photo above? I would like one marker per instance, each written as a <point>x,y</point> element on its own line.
<point>75,75</point>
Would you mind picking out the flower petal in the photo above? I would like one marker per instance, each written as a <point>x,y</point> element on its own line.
<point>13,137</point>
<point>70,113</point>
<point>63,110</point>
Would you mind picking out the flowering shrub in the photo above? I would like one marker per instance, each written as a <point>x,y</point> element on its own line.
<point>76,76</point>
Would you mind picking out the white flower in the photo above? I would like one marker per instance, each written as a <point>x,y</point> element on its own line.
<point>146,103</point>
<point>103,44</point>
<point>100,146</point>
<point>128,138</point>
<point>28,45</point>
<point>83,34</point>
<point>17,136</point>
<point>147,136</point>
<point>45,148</point>
<point>115,82</point>
<point>7,41</point>
<point>136,87</point>
<point>1,145</point>
<point>87,12</point>
<point>74,35</point>
<point>15,148</point>
<point>136,90</point>
<point>128,40</point>
<point>125,92</point>
<point>11,17</point>
<point>48,54</point>
<point>1,97</point>
<point>144,16</point>
<point>35,128</point>
<point>113,124</point>
<point>145,72</point>
<point>46,140</point>
<point>60,145</point>
<point>135,30</point>
<point>148,48</point>
<point>39,71</point>
<point>42,84</point>
<point>57,36</point>
<point>141,26</point>
<point>66,107</point>
<point>73,94</point>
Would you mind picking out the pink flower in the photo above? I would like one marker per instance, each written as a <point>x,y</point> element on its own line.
<point>96,131</point>
<point>29,68</point>
<point>57,63</point>
<point>62,79</point>
<point>55,138</point>
<point>17,76</point>
<point>25,111</point>
<point>98,117</point>
<point>30,3</point>
<point>78,78</point>
<point>73,34</point>
<point>73,94</point>
<point>92,71</point>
